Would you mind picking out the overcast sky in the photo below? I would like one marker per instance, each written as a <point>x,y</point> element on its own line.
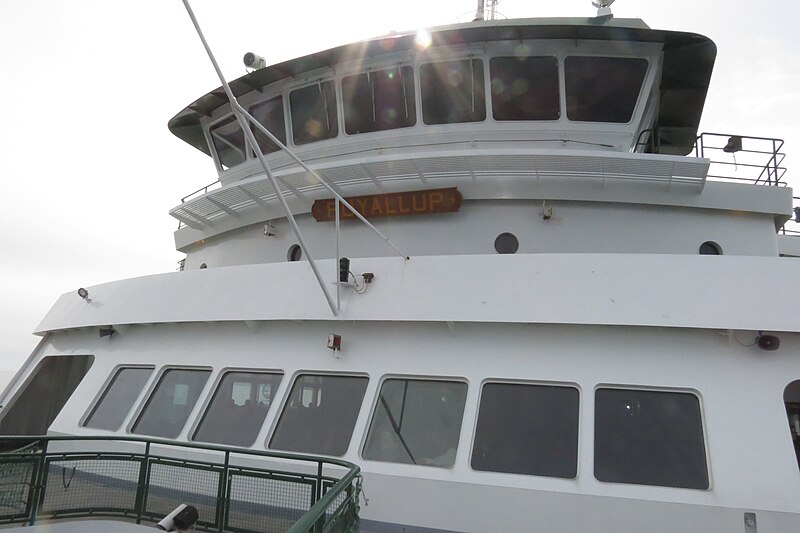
<point>89,170</point>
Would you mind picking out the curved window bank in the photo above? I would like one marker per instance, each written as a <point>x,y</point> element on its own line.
<point>504,88</point>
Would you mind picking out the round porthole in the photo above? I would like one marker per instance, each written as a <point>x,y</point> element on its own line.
<point>506,243</point>
<point>294,253</point>
<point>710,248</point>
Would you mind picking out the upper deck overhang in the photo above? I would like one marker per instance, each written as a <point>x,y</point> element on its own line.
<point>688,60</point>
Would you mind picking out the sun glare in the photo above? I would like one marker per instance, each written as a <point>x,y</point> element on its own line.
<point>423,38</point>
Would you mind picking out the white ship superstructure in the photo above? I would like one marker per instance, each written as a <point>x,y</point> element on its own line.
<point>582,319</point>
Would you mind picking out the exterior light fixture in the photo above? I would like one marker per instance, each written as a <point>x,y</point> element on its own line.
<point>83,293</point>
<point>344,270</point>
<point>734,144</point>
<point>768,343</point>
<point>107,331</point>
<point>335,342</point>
<point>254,61</point>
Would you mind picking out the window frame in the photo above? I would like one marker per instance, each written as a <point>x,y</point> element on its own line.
<point>579,443</point>
<point>101,394</point>
<point>285,389</point>
<point>412,377</point>
<point>277,394</point>
<point>560,87</point>
<point>212,147</point>
<point>645,388</point>
<point>154,381</point>
<point>335,80</point>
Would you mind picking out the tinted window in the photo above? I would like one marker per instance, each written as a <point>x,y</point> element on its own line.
<point>791,400</point>
<point>228,139</point>
<point>524,88</point>
<point>452,92</point>
<point>379,100</point>
<point>171,403</point>
<point>320,414</point>
<point>238,409</point>
<point>417,422</point>
<point>117,400</point>
<point>38,403</point>
<point>527,429</point>
<point>649,438</point>
<point>603,89</point>
<point>314,115</point>
<point>270,115</point>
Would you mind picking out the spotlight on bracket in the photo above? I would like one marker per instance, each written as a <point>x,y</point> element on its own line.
<point>254,61</point>
<point>83,293</point>
<point>107,331</point>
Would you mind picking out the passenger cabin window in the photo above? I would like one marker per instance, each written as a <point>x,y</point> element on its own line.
<point>527,429</point>
<point>649,438</point>
<point>228,139</point>
<point>452,91</point>
<point>603,89</point>
<point>379,100</point>
<point>117,399</point>
<point>171,403</point>
<point>238,408</point>
<point>270,115</point>
<point>791,400</point>
<point>524,88</point>
<point>320,414</point>
<point>314,116</point>
<point>417,422</point>
<point>38,403</point>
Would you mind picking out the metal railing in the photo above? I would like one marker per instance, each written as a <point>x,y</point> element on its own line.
<point>143,480</point>
<point>757,160</point>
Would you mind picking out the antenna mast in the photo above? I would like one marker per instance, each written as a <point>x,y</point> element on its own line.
<point>481,12</point>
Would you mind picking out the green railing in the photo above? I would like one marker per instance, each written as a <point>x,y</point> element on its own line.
<point>143,480</point>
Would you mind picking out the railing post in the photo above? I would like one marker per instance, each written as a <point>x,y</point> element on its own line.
<point>222,493</point>
<point>38,488</point>
<point>141,493</point>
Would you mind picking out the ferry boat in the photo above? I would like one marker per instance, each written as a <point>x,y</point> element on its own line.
<point>492,264</point>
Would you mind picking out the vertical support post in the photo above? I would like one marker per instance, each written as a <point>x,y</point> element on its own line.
<point>319,526</point>
<point>336,263</point>
<point>141,492</point>
<point>38,488</point>
<point>222,493</point>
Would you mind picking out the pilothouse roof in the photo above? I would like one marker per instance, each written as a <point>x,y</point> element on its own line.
<point>688,60</point>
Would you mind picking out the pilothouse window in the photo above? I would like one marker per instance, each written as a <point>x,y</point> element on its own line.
<point>314,116</point>
<point>417,422</point>
<point>791,400</point>
<point>270,115</point>
<point>452,92</point>
<point>228,140</point>
<point>524,88</point>
<point>603,89</point>
<point>379,100</point>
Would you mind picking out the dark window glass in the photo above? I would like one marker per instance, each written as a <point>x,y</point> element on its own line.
<point>452,92</point>
<point>238,408</point>
<point>228,139</point>
<point>314,115</point>
<point>171,403</point>
<point>527,429</point>
<point>37,404</point>
<point>270,115</point>
<point>791,400</point>
<point>379,100</point>
<point>417,422</point>
<point>603,89</point>
<point>506,243</point>
<point>320,414</point>
<point>117,400</point>
<point>524,88</point>
<point>649,438</point>
<point>710,248</point>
